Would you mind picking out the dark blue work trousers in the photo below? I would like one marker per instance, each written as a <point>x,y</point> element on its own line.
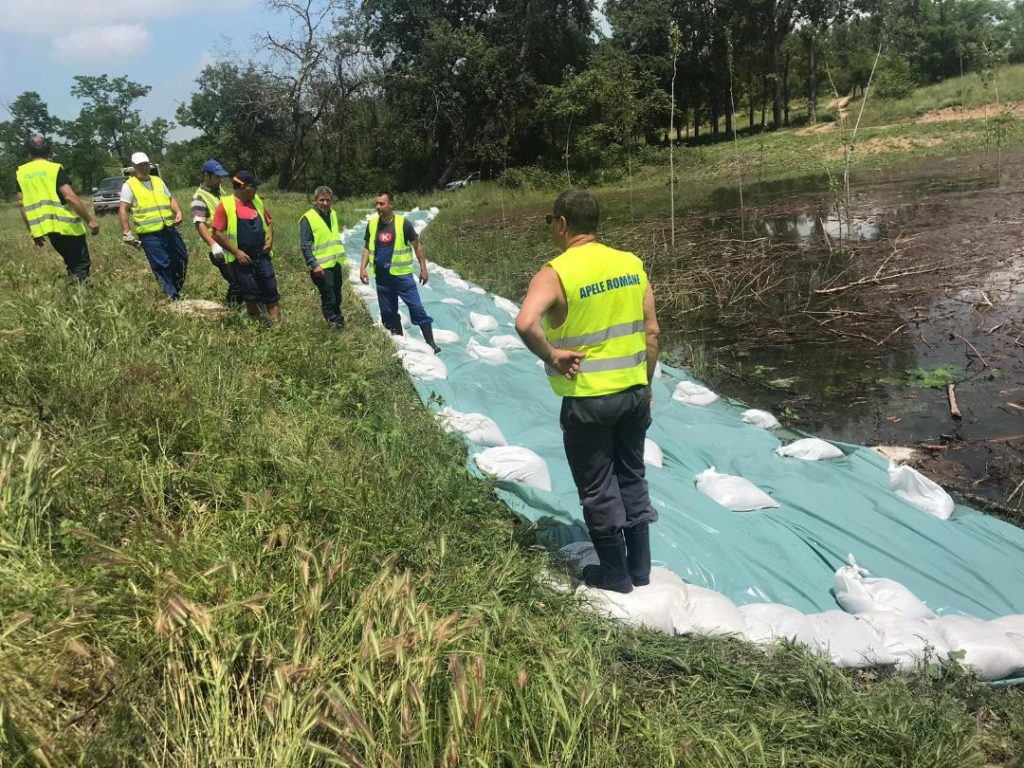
<point>168,258</point>
<point>604,445</point>
<point>392,287</point>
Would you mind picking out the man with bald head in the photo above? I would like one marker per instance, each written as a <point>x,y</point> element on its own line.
<point>51,209</point>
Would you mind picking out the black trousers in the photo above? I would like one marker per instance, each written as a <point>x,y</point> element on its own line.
<point>75,251</point>
<point>604,444</point>
<point>329,287</point>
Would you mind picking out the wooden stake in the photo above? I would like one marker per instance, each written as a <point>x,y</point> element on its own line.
<point>954,411</point>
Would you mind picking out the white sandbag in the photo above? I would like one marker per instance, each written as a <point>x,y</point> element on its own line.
<point>732,492</point>
<point>912,642</point>
<point>858,594</point>
<point>415,210</point>
<point>658,373</point>
<point>419,226</point>
<point>477,289</point>
<point>486,354</point>
<point>423,366</point>
<point>582,553</point>
<point>456,282</point>
<point>1013,624</point>
<point>451,300</point>
<point>653,454</point>
<point>507,341</point>
<point>411,344</point>
<point>989,651</point>
<point>923,493</point>
<point>768,622</point>
<point>476,427</point>
<point>810,449</point>
<point>692,393</point>
<point>353,277</point>
<point>659,606</point>
<point>761,419</point>
<point>482,323</point>
<point>442,336</point>
<point>846,641</point>
<point>515,463</point>
<point>434,210</point>
<point>508,306</point>
<point>712,613</point>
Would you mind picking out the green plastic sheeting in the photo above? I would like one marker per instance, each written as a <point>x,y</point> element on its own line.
<point>971,564</point>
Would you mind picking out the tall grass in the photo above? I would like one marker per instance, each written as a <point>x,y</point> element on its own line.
<point>223,544</point>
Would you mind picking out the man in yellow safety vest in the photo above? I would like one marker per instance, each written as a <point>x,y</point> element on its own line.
<point>245,230</point>
<point>155,216</point>
<point>589,315</point>
<point>51,209</point>
<point>321,246</point>
<point>392,240</point>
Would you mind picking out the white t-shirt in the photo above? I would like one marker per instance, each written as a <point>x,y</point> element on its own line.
<point>127,196</point>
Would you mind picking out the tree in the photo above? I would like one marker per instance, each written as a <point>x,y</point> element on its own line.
<point>29,115</point>
<point>109,116</point>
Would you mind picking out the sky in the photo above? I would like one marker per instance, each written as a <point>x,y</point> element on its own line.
<point>160,43</point>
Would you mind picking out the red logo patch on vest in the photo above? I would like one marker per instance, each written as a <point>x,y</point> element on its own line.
<point>385,237</point>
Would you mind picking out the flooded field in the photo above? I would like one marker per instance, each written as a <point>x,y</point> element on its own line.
<point>851,322</point>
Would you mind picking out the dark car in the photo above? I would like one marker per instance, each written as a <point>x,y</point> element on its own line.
<point>464,182</point>
<point>107,196</point>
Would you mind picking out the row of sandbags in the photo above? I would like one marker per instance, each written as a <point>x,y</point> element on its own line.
<point>882,622</point>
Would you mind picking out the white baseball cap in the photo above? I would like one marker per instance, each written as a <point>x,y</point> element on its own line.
<point>140,157</point>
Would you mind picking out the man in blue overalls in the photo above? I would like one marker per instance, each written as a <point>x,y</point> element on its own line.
<point>392,240</point>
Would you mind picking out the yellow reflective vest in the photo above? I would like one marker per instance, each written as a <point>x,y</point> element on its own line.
<point>605,290</point>
<point>152,209</point>
<point>229,202</point>
<point>45,212</point>
<point>327,246</point>
<point>401,257</point>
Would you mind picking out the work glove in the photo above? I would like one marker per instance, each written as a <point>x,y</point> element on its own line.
<point>129,239</point>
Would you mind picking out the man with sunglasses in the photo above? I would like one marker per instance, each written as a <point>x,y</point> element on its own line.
<point>244,228</point>
<point>589,315</point>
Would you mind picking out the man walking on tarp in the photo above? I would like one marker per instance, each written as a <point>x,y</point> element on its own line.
<point>155,216</point>
<point>391,240</point>
<point>589,315</point>
<point>51,209</point>
<point>204,202</point>
<point>321,246</point>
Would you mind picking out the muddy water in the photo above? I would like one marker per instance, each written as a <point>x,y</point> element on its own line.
<point>870,364</point>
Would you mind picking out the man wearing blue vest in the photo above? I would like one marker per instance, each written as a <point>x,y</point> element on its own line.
<point>52,211</point>
<point>155,215</point>
<point>391,240</point>
<point>589,315</point>
<point>321,246</point>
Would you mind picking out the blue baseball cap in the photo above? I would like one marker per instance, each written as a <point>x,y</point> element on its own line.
<point>212,166</point>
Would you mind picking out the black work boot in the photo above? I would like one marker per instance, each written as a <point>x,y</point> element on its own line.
<point>638,553</point>
<point>611,574</point>
<point>428,336</point>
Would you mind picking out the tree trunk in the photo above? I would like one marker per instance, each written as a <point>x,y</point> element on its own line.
<point>785,91</point>
<point>776,68</point>
<point>750,87</point>
<point>696,122</point>
<point>812,80</point>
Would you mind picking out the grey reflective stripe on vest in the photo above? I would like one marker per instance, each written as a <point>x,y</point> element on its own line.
<point>54,217</point>
<point>593,339</point>
<point>41,203</point>
<point>608,364</point>
<point>325,259</point>
<point>152,208</point>
<point>401,251</point>
<point>331,244</point>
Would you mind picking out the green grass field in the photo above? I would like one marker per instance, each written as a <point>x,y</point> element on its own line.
<point>228,545</point>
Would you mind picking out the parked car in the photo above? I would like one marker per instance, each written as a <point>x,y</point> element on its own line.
<point>459,183</point>
<point>106,197</point>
